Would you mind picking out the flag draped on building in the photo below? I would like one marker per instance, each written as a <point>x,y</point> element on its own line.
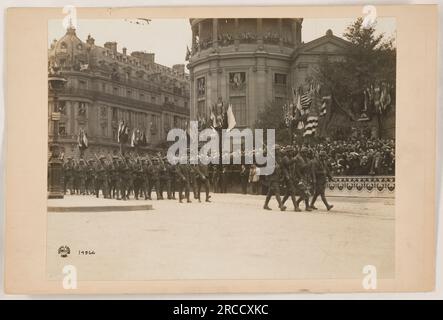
<point>323,108</point>
<point>213,118</point>
<point>299,113</point>
<point>84,67</point>
<point>385,97</point>
<point>311,124</point>
<point>288,114</point>
<point>378,96</point>
<point>231,118</point>
<point>188,54</point>
<point>82,140</point>
<point>306,100</point>
<point>123,132</point>
<point>136,138</point>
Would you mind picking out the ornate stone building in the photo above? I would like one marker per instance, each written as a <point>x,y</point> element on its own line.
<point>105,86</point>
<point>253,62</point>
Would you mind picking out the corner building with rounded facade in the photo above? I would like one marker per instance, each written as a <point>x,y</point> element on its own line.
<point>250,63</point>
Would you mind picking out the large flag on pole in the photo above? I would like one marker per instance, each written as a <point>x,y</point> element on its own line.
<point>82,139</point>
<point>213,118</point>
<point>299,112</point>
<point>312,120</point>
<point>306,100</point>
<point>231,118</point>
<point>135,138</point>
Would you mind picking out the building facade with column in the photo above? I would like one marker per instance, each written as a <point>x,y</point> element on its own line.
<point>251,63</point>
<point>105,86</point>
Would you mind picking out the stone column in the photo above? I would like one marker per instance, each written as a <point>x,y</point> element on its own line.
<point>193,38</point>
<point>109,121</point>
<point>299,26</point>
<point>193,99</point>
<point>199,35</point>
<point>215,33</point>
<point>260,33</point>
<point>280,32</point>
<point>236,34</point>
<point>294,32</point>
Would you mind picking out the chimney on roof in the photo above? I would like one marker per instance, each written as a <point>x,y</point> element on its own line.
<point>179,68</point>
<point>111,46</point>
<point>124,51</point>
<point>145,58</point>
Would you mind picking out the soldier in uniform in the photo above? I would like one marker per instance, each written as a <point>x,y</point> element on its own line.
<point>154,181</point>
<point>274,184</point>
<point>147,171</point>
<point>125,178</point>
<point>132,176</point>
<point>90,177</point>
<point>101,182</point>
<point>172,177</point>
<point>288,161</point>
<point>114,179</point>
<point>165,179</point>
<point>67,174</point>
<point>202,178</point>
<point>143,180</point>
<point>81,176</point>
<point>138,179</point>
<point>320,171</point>
<point>75,177</point>
<point>193,175</point>
<point>183,177</point>
<point>302,171</point>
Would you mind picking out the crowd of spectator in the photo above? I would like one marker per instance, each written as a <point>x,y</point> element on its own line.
<point>360,156</point>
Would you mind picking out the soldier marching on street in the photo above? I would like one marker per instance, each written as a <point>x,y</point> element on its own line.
<point>320,171</point>
<point>68,168</point>
<point>274,180</point>
<point>202,179</point>
<point>183,176</point>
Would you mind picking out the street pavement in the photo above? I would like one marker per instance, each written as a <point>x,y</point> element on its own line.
<point>230,238</point>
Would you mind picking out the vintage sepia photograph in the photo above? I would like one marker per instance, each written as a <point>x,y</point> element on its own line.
<point>221,149</point>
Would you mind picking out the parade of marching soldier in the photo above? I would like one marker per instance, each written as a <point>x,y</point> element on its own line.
<point>241,122</point>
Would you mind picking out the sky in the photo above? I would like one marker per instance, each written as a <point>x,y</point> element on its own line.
<point>168,38</point>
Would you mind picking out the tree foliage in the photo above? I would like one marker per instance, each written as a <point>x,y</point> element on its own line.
<point>370,59</point>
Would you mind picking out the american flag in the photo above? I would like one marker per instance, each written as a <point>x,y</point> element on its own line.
<point>323,108</point>
<point>312,118</point>
<point>306,100</point>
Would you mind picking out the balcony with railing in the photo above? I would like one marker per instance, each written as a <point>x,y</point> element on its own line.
<point>94,95</point>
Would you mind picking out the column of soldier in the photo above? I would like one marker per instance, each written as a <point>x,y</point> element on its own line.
<point>124,176</point>
<point>299,172</point>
